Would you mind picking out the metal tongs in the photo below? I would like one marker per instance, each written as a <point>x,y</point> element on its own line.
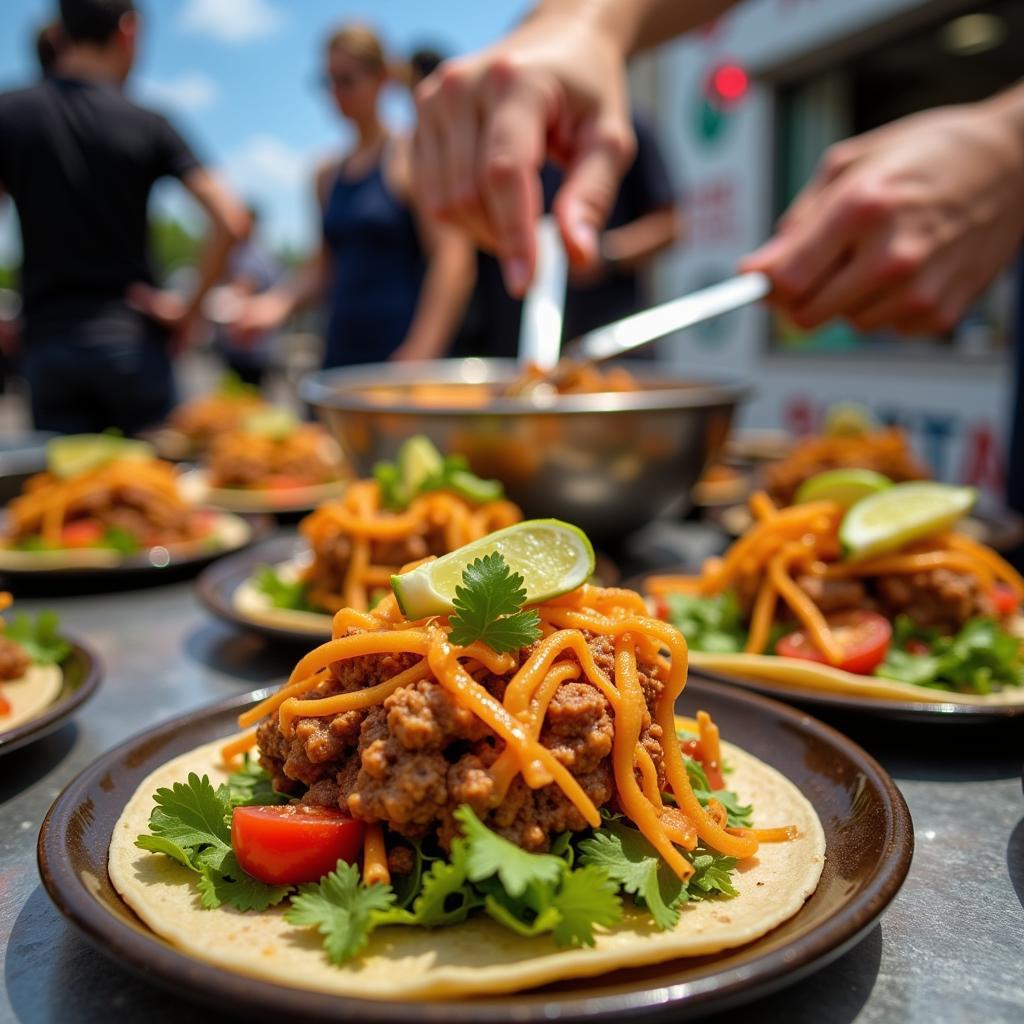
<point>546,373</point>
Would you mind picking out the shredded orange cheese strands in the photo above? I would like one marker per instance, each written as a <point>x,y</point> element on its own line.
<point>783,544</point>
<point>230,751</point>
<point>373,536</point>
<point>375,856</point>
<point>783,834</point>
<point>518,718</point>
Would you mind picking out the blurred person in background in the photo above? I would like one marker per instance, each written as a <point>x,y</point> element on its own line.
<point>50,46</point>
<point>395,284</point>
<point>79,159</point>
<point>252,270</point>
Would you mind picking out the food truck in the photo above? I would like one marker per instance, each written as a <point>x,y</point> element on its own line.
<point>746,106</point>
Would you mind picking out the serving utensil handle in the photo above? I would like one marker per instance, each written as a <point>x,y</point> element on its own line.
<point>633,331</point>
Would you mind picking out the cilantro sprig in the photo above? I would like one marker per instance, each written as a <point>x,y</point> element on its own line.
<point>421,469</point>
<point>39,637</point>
<point>489,607</point>
<point>290,594</point>
<point>191,823</point>
<point>531,894</point>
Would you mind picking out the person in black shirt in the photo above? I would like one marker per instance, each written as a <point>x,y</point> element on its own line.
<point>645,219</point>
<point>79,160</point>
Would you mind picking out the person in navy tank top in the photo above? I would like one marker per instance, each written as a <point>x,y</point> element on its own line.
<point>395,285</point>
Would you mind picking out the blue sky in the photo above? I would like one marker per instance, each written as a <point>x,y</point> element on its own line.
<point>238,77</point>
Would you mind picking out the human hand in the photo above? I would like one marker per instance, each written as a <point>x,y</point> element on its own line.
<point>555,87</point>
<point>170,310</point>
<point>258,315</point>
<point>904,226</point>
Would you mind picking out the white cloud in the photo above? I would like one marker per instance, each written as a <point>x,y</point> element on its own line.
<point>188,93</point>
<point>267,159</point>
<point>231,21</point>
<point>279,180</point>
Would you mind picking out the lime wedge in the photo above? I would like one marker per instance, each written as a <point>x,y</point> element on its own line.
<point>79,453</point>
<point>849,419</point>
<point>887,520</point>
<point>845,486</point>
<point>418,461</point>
<point>552,557</point>
<point>273,423</point>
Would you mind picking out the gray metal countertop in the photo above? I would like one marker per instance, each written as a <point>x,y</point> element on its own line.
<point>950,948</point>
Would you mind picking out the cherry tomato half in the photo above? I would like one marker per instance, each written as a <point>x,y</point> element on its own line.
<point>863,636</point>
<point>1005,599</point>
<point>82,533</point>
<point>293,843</point>
<point>284,482</point>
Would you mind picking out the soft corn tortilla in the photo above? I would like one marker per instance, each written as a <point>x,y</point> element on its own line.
<point>795,674</point>
<point>251,603</point>
<point>30,695</point>
<point>239,499</point>
<point>478,956</point>
<point>229,532</point>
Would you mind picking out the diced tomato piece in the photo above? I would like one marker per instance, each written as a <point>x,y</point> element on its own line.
<point>293,843</point>
<point>863,636</point>
<point>283,482</point>
<point>5,705</point>
<point>915,646</point>
<point>1005,599</point>
<point>82,533</point>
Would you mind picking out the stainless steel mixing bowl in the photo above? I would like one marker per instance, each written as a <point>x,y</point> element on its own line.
<point>608,462</point>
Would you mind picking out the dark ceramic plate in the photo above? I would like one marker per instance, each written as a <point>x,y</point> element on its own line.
<point>869,842</point>
<point>83,671</point>
<point>154,565</point>
<point>935,713</point>
<point>217,584</point>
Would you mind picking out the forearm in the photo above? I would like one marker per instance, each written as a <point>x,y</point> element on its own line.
<point>635,24</point>
<point>444,294</point>
<point>307,284</point>
<point>213,261</point>
<point>633,245</point>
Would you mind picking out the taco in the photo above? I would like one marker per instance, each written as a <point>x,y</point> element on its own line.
<point>103,501</point>
<point>271,460</point>
<point>481,799</point>
<point>419,506</point>
<point>30,674</point>
<point>195,424</point>
<point>873,594</point>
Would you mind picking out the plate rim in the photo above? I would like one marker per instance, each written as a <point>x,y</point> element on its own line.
<point>152,958</point>
<point>220,574</point>
<point>57,713</point>
<point>261,526</point>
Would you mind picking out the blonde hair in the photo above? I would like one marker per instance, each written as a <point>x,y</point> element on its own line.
<point>361,43</point>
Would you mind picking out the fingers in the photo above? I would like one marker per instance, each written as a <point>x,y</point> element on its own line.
<point>811,251</point>
<point>932,302</point>
<point>881,263</point>
<point>515,120</point>
<point>606,148</point>
<point>446,148</point>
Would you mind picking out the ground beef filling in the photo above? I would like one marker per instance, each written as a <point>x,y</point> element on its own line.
<point>332,553</point>
<point>939,598</point>
<point>413,760</point>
